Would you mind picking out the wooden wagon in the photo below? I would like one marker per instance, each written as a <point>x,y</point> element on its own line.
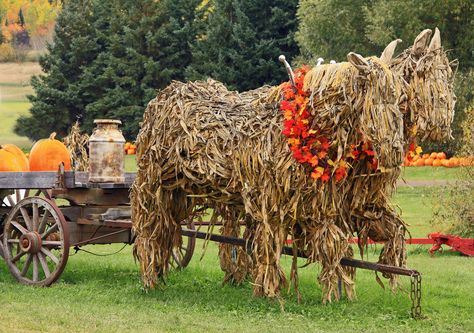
<point>44,214</point>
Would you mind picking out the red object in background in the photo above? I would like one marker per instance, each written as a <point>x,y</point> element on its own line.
<point>463,245</point>
<point>459,244</point>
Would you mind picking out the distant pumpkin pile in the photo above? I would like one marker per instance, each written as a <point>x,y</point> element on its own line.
<point>45,155</point>
<point>130,148</point>
<point>438,159</point>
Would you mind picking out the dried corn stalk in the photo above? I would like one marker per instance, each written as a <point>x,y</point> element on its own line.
<point>77,143</point>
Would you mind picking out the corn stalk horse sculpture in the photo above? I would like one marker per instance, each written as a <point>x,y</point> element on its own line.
<point>202,145</point>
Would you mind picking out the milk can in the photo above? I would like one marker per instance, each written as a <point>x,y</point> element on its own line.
<point>106,152</point>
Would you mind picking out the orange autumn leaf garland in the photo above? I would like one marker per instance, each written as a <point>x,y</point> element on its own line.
<point>308,146</point>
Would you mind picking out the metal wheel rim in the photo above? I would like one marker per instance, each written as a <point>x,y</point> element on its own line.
<point>38,218</point>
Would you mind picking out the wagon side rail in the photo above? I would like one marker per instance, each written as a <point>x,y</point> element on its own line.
<point>52,179</point>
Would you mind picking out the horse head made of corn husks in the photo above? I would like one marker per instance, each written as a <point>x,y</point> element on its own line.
<point>428,96</point>
<point>381,121</point>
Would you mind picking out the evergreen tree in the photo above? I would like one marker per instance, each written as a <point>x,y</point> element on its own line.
<point>242,42</point>
<point>107,61</point>
<point>148,47</point>
<point>59,101</point>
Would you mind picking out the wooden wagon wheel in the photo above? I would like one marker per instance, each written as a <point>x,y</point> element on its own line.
<point>182,255</point>
<point>36,241</point>
<point>9,198</point>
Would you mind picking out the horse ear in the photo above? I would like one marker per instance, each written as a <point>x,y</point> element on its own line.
<point>421,42</point>
<point>358,61</point>
<point>435,41</point>
<point>387,54</point>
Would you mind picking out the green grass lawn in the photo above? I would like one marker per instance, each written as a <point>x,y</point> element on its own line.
<point>428,173</point>
<point>104,294</point>
<point>14,87</point>
<point>10,111</point>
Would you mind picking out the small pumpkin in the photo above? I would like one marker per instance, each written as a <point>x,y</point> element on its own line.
<point>425,156</point>
<point>441,156</point>
<point>47,154</point>
<point>433,156</point>
<point>20,157</point>
<point>454,162</point>
<point>420,162</point>
<point>429,162</point>
<point>437,163</point>
<point>445,163</point>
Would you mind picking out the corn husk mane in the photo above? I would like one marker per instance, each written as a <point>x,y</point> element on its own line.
<point>202,145</point>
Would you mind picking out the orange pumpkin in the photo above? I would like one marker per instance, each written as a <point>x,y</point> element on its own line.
<point>9,162</point>
<point>441,156</point>
<point>433,156</point>
<point>453,162</point>
<point>47,154</point>
<point>415,158</point>
<point>425,156</point>
<point>21,158</point>
<point>429,162</point>
<point>445,163</point>
<point>437,163</point>
<point>420,162</point>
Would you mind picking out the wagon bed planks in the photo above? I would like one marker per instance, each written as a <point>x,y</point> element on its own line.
<point>48,180</point>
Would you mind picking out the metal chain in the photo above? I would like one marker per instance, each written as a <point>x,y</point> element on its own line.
<point>415,296</point>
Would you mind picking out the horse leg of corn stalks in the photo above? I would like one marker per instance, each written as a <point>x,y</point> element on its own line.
<point>267,246</point>
<point>157,226</point>
<point>234,260</point>
<point>382,224</point>
<point>394,249</point>
<point>327,244</point>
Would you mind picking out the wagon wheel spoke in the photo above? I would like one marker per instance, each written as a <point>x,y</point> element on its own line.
<point>26,218</point>
<point>54,243</point>
<point>44,264</point>
<point>10,200</point>
<point>47,194</point>
<point>19,227</point>
<point>44,219</point>
<point>36,241</point>
<point>17,195</point>
<point>27,265</point>
<point>35,268</point>
<point>50,254</point>
<point>35,217</point>
<point>50,231</point>
<point>18,256</point>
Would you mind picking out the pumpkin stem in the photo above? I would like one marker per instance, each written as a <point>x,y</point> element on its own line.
<point>52,136</point>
